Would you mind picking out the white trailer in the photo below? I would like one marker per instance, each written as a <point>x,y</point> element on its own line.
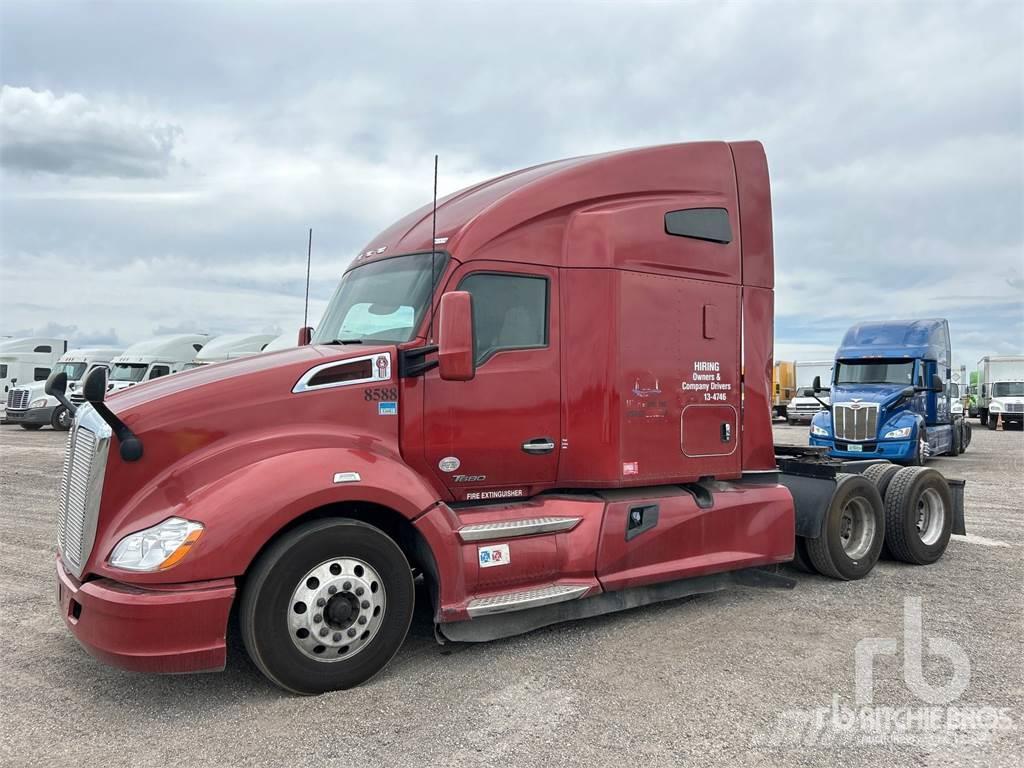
<point>1001,389</point>
<point>231,346</point>
<point>32,408</point>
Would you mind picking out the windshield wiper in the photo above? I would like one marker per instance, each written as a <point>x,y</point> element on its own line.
<point>346,341</point>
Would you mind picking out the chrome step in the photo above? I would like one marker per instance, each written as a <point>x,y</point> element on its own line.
<point>507,529</point>
<point>530,598</point>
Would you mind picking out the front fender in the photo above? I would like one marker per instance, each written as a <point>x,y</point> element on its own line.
<point>246,508</point>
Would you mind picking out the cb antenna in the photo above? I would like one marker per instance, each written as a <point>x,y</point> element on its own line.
<point>309,260</point>
<point>433,252</point>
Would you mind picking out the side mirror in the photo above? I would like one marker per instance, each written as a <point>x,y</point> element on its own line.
<point>937,384</point>
<point>94,388</point>
<point>816,385</point>
<point>56,384</point>
<point>455,337</point>
<point>305,335</point>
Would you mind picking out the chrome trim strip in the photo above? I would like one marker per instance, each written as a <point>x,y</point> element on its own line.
<point>378,373</point>
<point>506,602</point>
<point>347,477</point>
<point>508,529</point>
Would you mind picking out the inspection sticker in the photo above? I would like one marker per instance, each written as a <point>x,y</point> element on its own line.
<point>496,554</point>
<point>387,408</point>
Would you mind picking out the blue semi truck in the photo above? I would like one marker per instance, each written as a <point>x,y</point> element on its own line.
<point>890,395</point>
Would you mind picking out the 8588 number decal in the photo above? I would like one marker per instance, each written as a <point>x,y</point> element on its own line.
<point>380,393</point>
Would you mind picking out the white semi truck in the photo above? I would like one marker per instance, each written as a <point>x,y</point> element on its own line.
<point>25,360</point>
<point>151,359</point>
<point>32,408</point>
<point>804,405</point>
<point>1001,390</point>
<point>231,346</point>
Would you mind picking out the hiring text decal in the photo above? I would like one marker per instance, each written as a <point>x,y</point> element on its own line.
<point>706,379</point>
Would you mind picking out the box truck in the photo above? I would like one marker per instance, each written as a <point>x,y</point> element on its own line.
<point>783,387</point>
<point>32,408</point>
<point>890,395</point>
<point>805,404</point>
<point>1001,390</point>
<point>552,399</point>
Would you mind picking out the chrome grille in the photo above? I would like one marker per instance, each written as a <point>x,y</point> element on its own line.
<point>1015,407</point>
<point>85,458</point>
<point>17,399</point>
<point>855,421</point>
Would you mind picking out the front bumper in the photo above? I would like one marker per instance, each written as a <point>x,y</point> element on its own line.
<point>804,417</point>
<point>892,450</point>
<point>172,628</point>
<point>30,416</point>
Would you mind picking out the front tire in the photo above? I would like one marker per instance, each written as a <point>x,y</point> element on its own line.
<point>852,531</point>
<point>31,427</point>
<point>327,606</point>
<point>918,515</point>
<point>61,419</point>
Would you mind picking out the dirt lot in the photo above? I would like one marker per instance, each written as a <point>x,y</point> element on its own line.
<point>745,677</point>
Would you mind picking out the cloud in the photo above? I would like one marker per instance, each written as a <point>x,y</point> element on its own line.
<point>71,136</point>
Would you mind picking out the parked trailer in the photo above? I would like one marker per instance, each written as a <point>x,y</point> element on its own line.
<point>546,419</point>
<point>1001,390</point>
<point>783,387</point>
<point>30,405</point>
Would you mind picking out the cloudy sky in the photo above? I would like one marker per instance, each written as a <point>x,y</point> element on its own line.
<point>161,162</point>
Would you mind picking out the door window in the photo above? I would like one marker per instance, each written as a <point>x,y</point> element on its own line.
<point>158,371</point>
<point>509,312</point>
<point>40,374</point>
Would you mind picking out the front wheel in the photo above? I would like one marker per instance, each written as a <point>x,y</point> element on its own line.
<point>31,427</point>
<point>327,606</point>
<point>993,420</point>
<point>61,419</point>
<point>852,531</point>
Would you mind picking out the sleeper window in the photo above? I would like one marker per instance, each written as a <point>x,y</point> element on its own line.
<point>509,312</point>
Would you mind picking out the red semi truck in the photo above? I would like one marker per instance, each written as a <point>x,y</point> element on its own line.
<point>551,399</point>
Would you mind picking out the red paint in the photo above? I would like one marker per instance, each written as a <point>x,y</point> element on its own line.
<point>656,372</point>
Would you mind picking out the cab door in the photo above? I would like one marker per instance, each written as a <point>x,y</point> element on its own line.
<point>498,435</point>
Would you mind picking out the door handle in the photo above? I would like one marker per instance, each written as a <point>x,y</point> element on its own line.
<point>726,432</point>
<point>539,445</point>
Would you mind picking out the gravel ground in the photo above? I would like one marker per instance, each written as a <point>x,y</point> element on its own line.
<point>736,678</point>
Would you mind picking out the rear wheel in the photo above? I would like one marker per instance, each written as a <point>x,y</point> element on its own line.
<point>957,448</point>
<point>968,433</point>
<point>881,475</point>
<point>31,427</point>
<point>801,560</point>
<point>61,419</point>
<point>918,515</point>
<point>327,606</point>
<point>852,531</point>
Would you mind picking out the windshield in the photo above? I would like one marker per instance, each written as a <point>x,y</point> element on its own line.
<point>128,371</point>
<point>381,301</point>
<point>1008,389</point>
<point>954,390</point>
<point>875,372</point>
<point>73,370</point>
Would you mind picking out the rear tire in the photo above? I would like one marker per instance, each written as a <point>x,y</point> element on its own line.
<point>852,531</point>
<point>881,475</point>
<point>339,562</point>
<point>968,433</point>
<point>918,515</point>
<point>31,427</point>
<point>957,447</point>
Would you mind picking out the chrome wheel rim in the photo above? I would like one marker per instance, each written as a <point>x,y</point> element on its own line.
<point>856,528</point>
<point>336,609</point>
<point>64,419</point>
<point>931,516</point>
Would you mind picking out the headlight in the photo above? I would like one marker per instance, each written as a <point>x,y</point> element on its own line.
<point>994,406</point>
<point>38,403</point>
<point>818,431</point>
<point>157,548</point>
<point>898,433</point>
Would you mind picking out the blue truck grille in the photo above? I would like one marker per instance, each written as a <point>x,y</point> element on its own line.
<point>855,421</point>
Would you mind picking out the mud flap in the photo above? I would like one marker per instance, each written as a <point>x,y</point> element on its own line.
<point>956,488</point>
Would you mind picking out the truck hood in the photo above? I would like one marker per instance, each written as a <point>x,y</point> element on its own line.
<point>882,394</point>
